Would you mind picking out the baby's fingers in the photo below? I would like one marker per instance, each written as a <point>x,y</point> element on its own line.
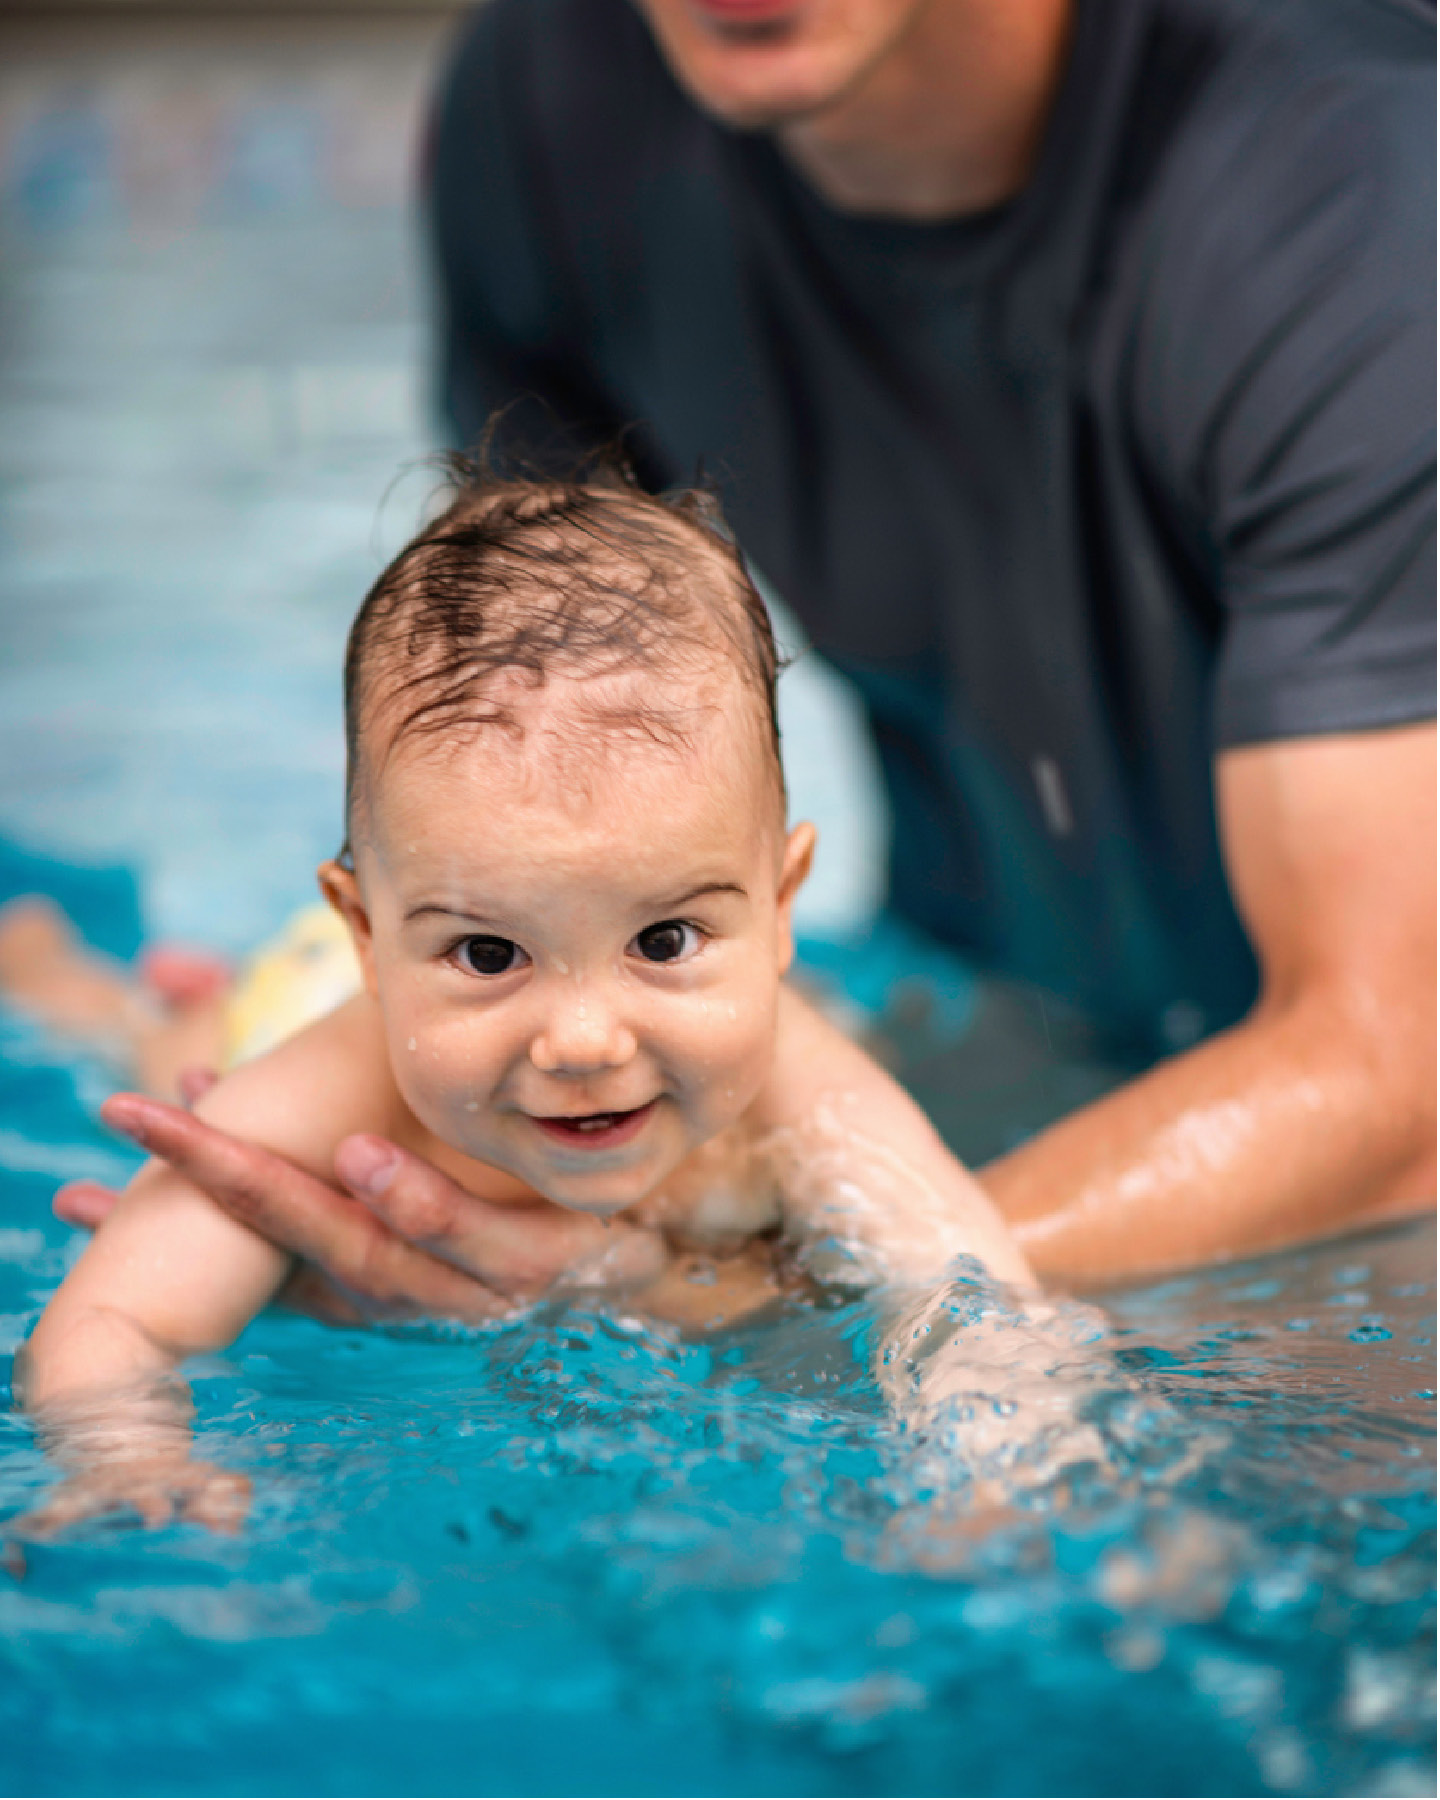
<point>84,1501</point>
<point>219,1500</point>
<point>63,1509</point>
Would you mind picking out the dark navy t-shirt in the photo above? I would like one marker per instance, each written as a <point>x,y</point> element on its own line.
<point>1079,492</point>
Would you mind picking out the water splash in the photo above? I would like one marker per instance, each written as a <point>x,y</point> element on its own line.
<point>1180,1535</point>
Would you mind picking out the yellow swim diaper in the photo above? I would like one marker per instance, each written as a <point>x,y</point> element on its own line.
<point>304,972</point>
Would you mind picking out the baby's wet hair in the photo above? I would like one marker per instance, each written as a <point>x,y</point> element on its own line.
<point>585,575</point>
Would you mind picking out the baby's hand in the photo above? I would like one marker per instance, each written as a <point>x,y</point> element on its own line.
<point>159,1488</point>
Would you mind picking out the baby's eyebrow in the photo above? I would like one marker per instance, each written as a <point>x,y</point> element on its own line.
<point>705,887</point>
<point>439,909</point>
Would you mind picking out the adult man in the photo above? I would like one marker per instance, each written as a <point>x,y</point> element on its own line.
<point>1067,368</point>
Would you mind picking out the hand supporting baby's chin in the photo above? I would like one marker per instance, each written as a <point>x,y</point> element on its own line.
<point>627,1257</point>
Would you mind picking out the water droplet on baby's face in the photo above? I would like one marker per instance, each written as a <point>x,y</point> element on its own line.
<point>411,1044</point>
<point>472,1106</point>
<point>562,967</point>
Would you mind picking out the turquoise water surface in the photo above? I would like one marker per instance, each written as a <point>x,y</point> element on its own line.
<point>571,1555</point>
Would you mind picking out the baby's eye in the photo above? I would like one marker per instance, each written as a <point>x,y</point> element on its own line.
<point>669,941</point>
<point>488,955</point>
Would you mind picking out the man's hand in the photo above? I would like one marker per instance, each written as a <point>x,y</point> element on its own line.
<point>394,1238</point>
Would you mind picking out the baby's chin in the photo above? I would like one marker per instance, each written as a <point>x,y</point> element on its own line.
<point>604,1194</point>
<point>604,1210</point>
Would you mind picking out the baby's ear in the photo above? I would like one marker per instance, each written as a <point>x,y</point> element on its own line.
<point>799,854</point>
<point>340,888</point>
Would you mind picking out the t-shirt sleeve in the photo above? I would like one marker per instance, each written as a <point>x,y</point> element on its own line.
<point>1289,380</point>
<point>508,327</point>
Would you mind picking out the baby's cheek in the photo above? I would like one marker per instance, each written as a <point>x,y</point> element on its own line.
<point>436,1077</point>
<point>730,1051</point>
<point>457,1112</point>
<point>430,1099</point>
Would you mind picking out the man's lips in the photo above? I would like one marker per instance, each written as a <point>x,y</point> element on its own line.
<point>594,1131</point>
<point>753,13</point>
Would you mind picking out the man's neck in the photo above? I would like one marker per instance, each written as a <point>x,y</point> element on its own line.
<point>950,123</point>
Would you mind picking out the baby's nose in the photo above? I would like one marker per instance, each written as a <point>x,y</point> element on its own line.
<point>581,1037</point>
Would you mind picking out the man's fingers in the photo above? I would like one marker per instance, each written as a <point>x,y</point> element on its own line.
<point>307,1291</point>
<point>519,1250</point>
<point>83,1203</point>
<point>194,1083</point>
<point>416,1284</point>
<point>299,1213</point>
<point>280,1201</point>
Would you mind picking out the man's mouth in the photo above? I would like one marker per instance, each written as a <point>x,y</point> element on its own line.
<point>595,1131</point>
<point>745,12</point>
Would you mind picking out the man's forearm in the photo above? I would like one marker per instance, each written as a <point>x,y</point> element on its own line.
<point>1294,1125</point>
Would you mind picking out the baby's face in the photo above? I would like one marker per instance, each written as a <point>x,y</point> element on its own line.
<point>576,937</point>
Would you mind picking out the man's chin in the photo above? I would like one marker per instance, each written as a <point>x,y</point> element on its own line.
<point>756,82</point>
<point>761,106</point>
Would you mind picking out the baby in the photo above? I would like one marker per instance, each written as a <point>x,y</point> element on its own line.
<point>568,883</point>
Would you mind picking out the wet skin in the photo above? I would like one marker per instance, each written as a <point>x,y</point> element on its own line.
<point>572,936</point>
<point>576,955</point>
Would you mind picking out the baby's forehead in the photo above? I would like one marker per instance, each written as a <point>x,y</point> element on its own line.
<point>566,739</point>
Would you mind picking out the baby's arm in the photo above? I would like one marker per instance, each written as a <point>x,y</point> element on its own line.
<point>859,1166</point>
<point>169,1275</point>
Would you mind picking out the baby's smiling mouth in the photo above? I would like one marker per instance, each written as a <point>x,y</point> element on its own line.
<point>594,1131</point>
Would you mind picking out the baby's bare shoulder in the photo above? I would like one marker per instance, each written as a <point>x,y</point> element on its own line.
<point>301,1098</point>
<point>815,1063</point>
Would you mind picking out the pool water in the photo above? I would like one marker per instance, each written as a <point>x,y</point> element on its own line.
<point>571,1555</point>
